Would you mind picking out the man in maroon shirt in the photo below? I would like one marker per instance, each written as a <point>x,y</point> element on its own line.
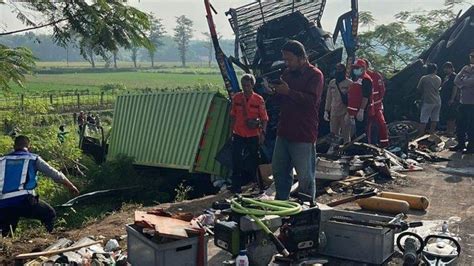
<point>299,91</point>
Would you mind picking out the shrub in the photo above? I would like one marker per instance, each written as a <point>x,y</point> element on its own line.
<point>113,87</point>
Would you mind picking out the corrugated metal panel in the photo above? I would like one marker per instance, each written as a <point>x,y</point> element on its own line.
<point>216,133</point>
<point>160,129</point>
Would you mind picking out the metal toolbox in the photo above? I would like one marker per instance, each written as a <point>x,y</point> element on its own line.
<point>143,251</point>
<point>352,241</point>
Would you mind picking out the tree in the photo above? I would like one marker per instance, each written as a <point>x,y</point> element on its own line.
<point>134,55</point>
<point>429,24</point>
<point>102,26</point>
<point>210,46</point>
<point>157,32</point>
<point>366,19</point>
<point>86,47</point>
<point>183,32</point>
<point>14,63</point>
<point>115,57</point>
<point>388,46</point>
<point>392,46</point>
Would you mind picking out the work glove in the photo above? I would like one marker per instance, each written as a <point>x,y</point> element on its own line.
<point>360,115</point>
<point>326,115</point>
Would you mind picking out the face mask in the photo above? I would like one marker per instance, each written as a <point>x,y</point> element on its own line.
<point>357,72</point>
<point>340,76</point>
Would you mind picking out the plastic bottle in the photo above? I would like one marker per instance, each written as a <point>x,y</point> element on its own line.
<point>242,259</point>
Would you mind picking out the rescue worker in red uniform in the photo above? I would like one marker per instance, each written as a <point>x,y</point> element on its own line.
<point>360,98</point>
<point>377,121</point>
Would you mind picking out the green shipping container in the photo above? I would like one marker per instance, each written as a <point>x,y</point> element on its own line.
<point>181,130</point>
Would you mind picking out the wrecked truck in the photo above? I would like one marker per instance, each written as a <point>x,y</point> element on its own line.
<point>453,45</point>
<point>261,28</point>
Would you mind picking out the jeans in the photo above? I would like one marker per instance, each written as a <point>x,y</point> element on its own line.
<point>299,155</point>
<point>244,169</point>
<point>31,208</point>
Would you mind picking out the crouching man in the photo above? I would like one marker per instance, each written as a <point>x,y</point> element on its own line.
<point>18,181</point>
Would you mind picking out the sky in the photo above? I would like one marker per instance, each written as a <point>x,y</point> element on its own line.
<point>382,10</point>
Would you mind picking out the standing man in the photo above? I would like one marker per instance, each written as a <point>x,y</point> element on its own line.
<point>249,122</point>
<point>336,104</point>
<point>429,86</point>
<point>465,126</point>
<point>299,92</point>
<point>18,181</point>
<point>81,120</point>
<point>360,98</point>
<point>377,121</point>
<point>449,99</point>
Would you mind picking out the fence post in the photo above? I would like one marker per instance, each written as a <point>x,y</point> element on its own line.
<point>22,105</point>
<point>78,101</point>
<point>51,99</point>
<point>101,98</point>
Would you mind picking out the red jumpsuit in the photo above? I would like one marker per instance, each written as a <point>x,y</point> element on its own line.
<point>378,118</point>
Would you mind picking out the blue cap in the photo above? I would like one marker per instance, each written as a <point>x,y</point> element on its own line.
<point>243,252</point>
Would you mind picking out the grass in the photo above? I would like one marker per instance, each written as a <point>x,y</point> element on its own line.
<point>131,80</point>
<point>120,64</point>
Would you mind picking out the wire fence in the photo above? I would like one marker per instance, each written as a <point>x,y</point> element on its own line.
<point>59,102</point>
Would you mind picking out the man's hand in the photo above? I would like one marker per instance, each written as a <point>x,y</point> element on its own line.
<point>360,115</point>
<point>261,138</point>
<point>352,121</point>
<point>326,115</point>
<point>282,88</point>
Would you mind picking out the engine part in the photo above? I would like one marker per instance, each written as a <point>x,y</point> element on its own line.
<point>439,252</point>
<point>300,233</point>
<point>410,249</point>
<point>227,236</point>
<point>260,250</point>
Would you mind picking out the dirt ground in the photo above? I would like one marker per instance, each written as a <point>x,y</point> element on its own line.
<point>451,199</point>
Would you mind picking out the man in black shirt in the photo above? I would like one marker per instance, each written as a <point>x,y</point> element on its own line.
<point>449,99</point>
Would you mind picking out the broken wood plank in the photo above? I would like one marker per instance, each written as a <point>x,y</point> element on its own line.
<point>164,226</point>
<point>372,184</point>
<point>54,252</point>
<point>359,181</point>
<point>329,191</point>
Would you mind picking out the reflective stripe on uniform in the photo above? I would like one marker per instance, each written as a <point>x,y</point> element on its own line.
<point>384,140</point>
<point>21,157</point>
<point>16,194</point>
<point>3,163</point>
<point>352,108</point>
<point>24,172</point>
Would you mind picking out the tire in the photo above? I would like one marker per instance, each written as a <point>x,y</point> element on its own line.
<point>460,30</point>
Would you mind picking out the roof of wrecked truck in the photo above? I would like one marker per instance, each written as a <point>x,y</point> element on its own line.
<point>246,20</point>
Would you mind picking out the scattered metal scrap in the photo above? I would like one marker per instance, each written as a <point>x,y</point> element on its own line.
<point>86,251</point>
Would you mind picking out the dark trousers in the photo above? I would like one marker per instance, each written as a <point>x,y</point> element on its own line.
<point>244,161</point>
<point>465,125</point>
<point>30,208</point>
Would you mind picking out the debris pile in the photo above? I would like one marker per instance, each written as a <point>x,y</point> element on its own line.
<point>86,251</point>
<point>360,167</point>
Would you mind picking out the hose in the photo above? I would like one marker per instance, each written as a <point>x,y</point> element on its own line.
<point>256,208</point>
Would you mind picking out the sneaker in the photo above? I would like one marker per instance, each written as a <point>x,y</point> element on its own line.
<point>469,150</point>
